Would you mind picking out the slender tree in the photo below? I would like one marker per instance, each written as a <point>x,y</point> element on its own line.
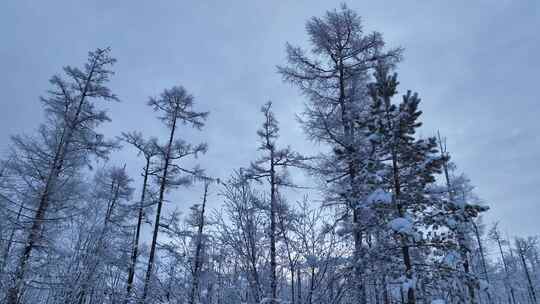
<point>464,214</point>
<point>413,164</point>
<point>175,106</point>
<point>242,229</point>
<point>199,221</point>
<point>65,143</point>
<point>113,191</point>
<point>495,235</point>
<point>149,149</point>
<point>271,167</point>
<point>522,248</point>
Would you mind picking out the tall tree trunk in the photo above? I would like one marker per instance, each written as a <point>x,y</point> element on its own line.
<point>255,281</point>
<point>7,250</point>
<point>34,234</point>
<point>94,256</point>
<point>194,294</point>
<point>10,240</point>
<point>311,285</point>
<point>385,290</point>
<point>299,285</point>
<point>273,262</point>
<point>293,296</point>
<point>162,188</point>
<point>56,168</point>
<point>411,297</point>
<point>461,236</point>
<point>512,292</point>
<point>135,251</point>
<point>289,254</point>
<point>347,123</point>
<point>376,290</point>
<point>532,292</point>
<point>483,258</point>
<point>291,264</point>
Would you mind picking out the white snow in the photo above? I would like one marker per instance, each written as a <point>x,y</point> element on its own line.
<point>409,284</point>
<point>451,259</point>
<point>451,223</point>
<point>484,285</point>
<point>311,260</point>
<point>401,225</point>
<point>343,228</point>
<point>379,196</point>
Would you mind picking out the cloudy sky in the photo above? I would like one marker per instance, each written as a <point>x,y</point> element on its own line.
<point>474,63</point>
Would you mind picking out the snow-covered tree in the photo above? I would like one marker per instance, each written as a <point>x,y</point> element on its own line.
<point>387,218</point>
<point>174,106</point>
<point>334,78</point>
<point>148,149</point>
<point>48,161</point>
<point>272,167</point>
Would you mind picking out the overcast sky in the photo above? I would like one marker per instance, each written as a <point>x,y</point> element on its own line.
<point>475,65</point>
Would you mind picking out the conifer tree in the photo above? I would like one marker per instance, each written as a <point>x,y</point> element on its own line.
<point>198,220</point>
<point>495,235</point>
<point>334,78</point>
<point>65,143</point>
<point>272,167</point>
<point>149,149</point>
<point>175,106</point>
<point>245,236</point>
<point>463,212</point>
<point>110,206</point>
<point>523,247</point>
<point>412,168</point>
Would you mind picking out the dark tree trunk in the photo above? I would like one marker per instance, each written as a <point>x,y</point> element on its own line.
<point>162,188</point>
<point>411,297</point>
<point>54,172</point>
<point>532,292</point>
<point>194,294</point>
<point>273,262</point>
<point>135,252</point>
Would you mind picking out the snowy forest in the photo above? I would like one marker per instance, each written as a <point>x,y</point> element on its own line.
<point>387,216</point>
